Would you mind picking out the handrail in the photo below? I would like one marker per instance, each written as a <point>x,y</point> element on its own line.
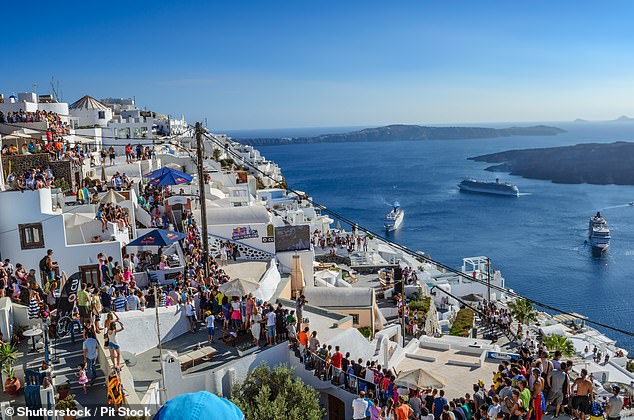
<point>242,244</point>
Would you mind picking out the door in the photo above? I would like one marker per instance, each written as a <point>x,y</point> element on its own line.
<point>336,409</point>
<point>90,274</point>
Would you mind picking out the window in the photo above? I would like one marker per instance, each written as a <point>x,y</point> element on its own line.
<point>355,319</point>
<point>90,274</point>
<point>31,236</point>
<point>101,115</point>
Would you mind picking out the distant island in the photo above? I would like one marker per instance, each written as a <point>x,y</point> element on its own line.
<point>622,118</point>
<point>410,133</point>
<point>590,163</point>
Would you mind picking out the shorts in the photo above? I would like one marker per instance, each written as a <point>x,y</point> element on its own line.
<point>556,397</point>
<point>271,330</point>
<point>113,346</point>
<point>581,403</point>
<point>210,331</point>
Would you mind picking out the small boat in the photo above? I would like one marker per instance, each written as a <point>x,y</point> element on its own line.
<point>631,203</point>
<point>598,234</point>
<point>394,218</point>
<point>497,187</point>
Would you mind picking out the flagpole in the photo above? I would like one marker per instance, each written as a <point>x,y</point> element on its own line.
<point>158,332</point>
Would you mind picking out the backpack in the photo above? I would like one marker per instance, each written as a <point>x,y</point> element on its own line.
<point>596,408</point>
<point>43,265</point>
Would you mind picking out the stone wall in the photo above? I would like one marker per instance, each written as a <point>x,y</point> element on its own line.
<point>19,164</point>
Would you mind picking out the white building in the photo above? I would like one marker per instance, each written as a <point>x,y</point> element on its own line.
<point>30,102</point>
<point>88,112</point>
<point>32,222</point>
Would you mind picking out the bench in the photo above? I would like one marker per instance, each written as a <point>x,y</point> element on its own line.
<point>191,358</point>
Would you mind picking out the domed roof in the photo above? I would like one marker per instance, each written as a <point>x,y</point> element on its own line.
<point>88,102</point>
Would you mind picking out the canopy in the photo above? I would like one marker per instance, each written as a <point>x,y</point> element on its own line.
<point>171,179</point>
<point>419,378</point>
<point>473,298</point>
<point>112,197</point>
<point>168,176</point>
<point>158,237</point>
<point>238,287</point>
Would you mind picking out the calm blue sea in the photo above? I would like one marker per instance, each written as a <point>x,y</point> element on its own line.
<point>537,240</point>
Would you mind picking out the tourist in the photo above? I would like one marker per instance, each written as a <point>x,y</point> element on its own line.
<point>83,379</point>
<point>210,320</point>
<point>514,406</point>
<point>190,312</point>
<point>615,404</point>
<point>90,346</point>
<point>416,403</point>
<point>403,411</point>
<point>582,395</point>
<point>439,405</point>
<point>111,154</point>
<point>113,343</point>
<point>376,412</point>
<point>359,406</point>
<point>389,409</point>
<point>270,325</point>
<point>256,324</point>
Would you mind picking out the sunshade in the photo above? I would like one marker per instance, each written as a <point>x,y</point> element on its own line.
<point>158,237</point>
<point>171,178</point>
<point>238,287</point>
<point>419,378</point>
<point>112,197</point>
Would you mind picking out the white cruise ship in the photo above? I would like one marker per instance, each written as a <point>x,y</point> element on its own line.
<point>598,234</point>
<point>394,218</point>
<point>497,187</point>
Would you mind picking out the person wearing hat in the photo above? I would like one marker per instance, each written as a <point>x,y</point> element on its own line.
<point>210,321</point>
<point>615,404</point>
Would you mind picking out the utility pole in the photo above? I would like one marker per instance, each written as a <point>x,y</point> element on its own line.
<point>201,194</point>
<point>488,280</point>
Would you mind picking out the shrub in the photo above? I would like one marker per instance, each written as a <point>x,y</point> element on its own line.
<point>463,323</point>
<point>365,331</point>
<point>276,394</point>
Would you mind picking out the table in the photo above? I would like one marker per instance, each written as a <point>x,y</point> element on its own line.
<point>33,332</point>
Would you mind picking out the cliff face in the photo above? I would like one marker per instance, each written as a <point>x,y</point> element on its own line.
<point>591,163</point>
<point>411,133</point>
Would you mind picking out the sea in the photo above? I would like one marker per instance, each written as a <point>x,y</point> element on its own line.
<point>537,240</point>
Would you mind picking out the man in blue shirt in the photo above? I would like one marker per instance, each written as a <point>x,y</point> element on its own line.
<point>439,405</point>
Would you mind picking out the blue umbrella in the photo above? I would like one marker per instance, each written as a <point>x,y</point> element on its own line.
<point>157,173</point>
<point>170,178</point>
<point>167,176</point>
<point>158,237</point>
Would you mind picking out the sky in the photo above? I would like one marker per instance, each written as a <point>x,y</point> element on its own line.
<point>273,64</point>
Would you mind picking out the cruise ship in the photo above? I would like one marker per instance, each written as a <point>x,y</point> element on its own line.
<point>394,218</point>
<point>497,187</point>
<point>598,234</point>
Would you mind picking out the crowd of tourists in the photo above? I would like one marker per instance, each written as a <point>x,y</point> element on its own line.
<point>33,179</point>
<point>535,384</point>
<point>336,240</point>
<point>55,123</point>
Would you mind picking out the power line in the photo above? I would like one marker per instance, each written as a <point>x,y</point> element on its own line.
<point>425,258</point>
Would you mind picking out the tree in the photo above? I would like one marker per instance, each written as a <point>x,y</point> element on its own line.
<point>276,394</point>
<point>523,311</point>
<point>559,342</point>
<point>216,154</point>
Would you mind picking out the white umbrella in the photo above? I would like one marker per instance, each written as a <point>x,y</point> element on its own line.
<point>238,287</point>
<point>78,219</point>
<point>419,378</point>
<point>112,197</point>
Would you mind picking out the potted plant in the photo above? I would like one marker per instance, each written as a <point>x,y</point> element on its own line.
<point>67,404</point>
<point>63,390</point>
<point>8,356</point>
<point>246,348</point>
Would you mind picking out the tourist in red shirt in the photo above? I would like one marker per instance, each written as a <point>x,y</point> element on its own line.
<point>335,361</point>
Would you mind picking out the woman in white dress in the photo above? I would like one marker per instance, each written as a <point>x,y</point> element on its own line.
<point>255,325</point>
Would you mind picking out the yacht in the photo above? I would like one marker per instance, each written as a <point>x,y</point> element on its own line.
<point>598,234</point>
<point>394,218</point>
<point>497,187</point>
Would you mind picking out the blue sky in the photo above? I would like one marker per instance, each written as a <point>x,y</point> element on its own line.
<point>274,64</point>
